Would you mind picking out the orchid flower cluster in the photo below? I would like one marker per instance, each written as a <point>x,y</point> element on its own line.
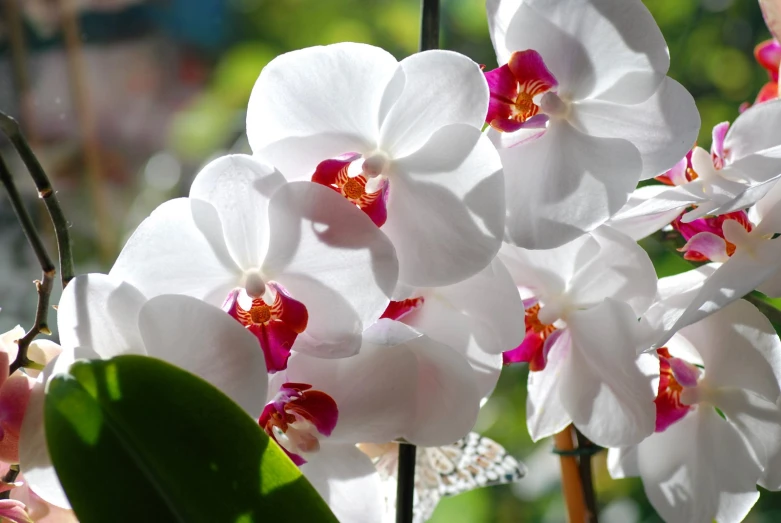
<point>403,230</point>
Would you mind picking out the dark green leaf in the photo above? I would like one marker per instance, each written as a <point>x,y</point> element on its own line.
<point>136,439</point>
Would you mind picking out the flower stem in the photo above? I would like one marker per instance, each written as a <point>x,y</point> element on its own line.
<point>45,191</point>
<point>429,25</point>
<point>10,477</point>
<point>45,284</point>
<point>405,487</point>
<point>571,484</point>
<point>587,476</point>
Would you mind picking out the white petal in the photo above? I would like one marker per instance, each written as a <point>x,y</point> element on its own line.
<point>647,211</point>
<point>767,210</point>
<point>179,249</point>
<point>401,384</point>
<point>100,312</point>
<point>657,199</point>
<point>603,389</point>
<point>479,317</point>
<point>332,258</point>
<point>205,341</point>
<point>346,479</point>
<point>34,460</point>
<point>735,278</point>
<point>739,348</point>
<point>591,46</point>
<point>623,462</point>
<point>565,184</point>
<point>759,421</point>
<point>445,212</point>
<point>674,294</point>
<point>239,187</point>
<point>545,415</point>
<point>620,270</point>
<point>663,128</point>
<point>699,469</point>
<point>441,88</point>
<point>373,390</point>
<point>754,130</point>
<point>547,271</point>
<point>447,323</point>
<point>500,14</point>
<point>332,92</point>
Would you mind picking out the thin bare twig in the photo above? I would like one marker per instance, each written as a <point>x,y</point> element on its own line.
<point>45,191</point>
<point>45,284</point>
<point>10,477</point>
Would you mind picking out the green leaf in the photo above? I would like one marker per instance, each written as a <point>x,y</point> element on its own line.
<point>136,439</point>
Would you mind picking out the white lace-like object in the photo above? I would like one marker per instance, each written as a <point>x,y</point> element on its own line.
<point>472,462</point>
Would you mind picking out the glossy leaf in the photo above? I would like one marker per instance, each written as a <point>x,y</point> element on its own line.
<point>136,439</point>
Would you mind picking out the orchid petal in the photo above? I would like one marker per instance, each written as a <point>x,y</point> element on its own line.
<point>500,14</point>
<point>663,127</point>
<point>620,270</point>
<point>240,187</point>
<point>347,480</point>
<point>202,339</point>
<point>478,317</point>
<point>771,11</point>
<point>545,413</point>
<point>688,476</point>
<point>707,245</point>
<point>675,293</point>
<point>14,511</point>
<point>445,210</point>
<point>592,46</point>
<point>739,348</point>
<point>638,218</point>
<point>741,274</point>
<point>329,256</point>
<point>753,131</point>
<point>317,103</point>
<point>34,459</point>
<point>566,194</point>
<point>185,239</point>
<point>428,101</point>
<point>608,396</point>
<point>759,422</point>
<point>100,312</point>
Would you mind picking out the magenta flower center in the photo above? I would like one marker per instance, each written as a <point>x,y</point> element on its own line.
<point>298,417</point>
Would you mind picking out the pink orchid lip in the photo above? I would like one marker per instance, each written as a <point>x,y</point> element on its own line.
<point>705,237</point>
<point>333,173</point>
<point>718,153</point>
<point>768,92</point>
<point>276,326</point>
<point>669,407</point>
<point>396,310</point>
<point>297,412</point>
<point>681,173</point>
<point>538,340</point>
<point>514,88</point>
<point>768,54</point>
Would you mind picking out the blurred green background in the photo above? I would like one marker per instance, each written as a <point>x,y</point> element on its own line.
<point>124,116</point>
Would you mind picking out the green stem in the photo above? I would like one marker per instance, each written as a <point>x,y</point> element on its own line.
<point>45,284</point>
<point>45,191</point>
